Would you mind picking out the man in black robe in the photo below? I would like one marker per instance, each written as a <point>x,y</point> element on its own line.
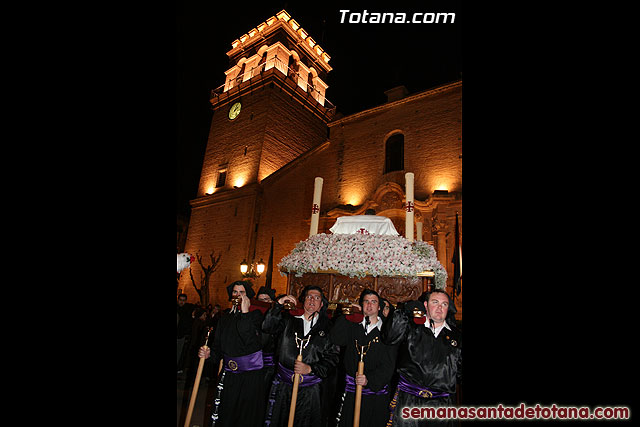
<point>267,296</point>
<point>240,393</point>
<point>429,361</point>
<point>379,363</point>
<point>319,358</point>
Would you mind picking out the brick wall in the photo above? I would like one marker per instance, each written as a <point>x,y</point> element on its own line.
<point>351,166</point>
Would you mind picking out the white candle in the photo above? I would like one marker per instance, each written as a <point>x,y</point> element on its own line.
<point>409,206</point>
<point>419,231</point>
<point>315,208</point>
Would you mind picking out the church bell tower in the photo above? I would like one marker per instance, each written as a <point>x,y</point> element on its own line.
<point>271,109</point>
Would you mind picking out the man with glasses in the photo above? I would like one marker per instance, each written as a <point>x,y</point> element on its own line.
<point>319,358</point>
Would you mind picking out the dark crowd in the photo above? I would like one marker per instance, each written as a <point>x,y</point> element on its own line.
<point>366,365</point>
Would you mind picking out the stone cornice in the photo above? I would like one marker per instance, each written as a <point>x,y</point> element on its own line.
<point>225,195</point>
<point>410,98</point>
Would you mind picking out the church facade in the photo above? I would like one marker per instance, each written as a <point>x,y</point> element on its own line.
<point>273,132</point>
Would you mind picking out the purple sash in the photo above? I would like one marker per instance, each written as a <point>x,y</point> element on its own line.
<point>249,362</point>
<point>286,375</point>
<point>267,359</point>
<point>424,392</point>
<point>351,388</point>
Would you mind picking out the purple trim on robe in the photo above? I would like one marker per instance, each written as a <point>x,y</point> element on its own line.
<point>286,375</point>
<point>424,392</point>
<point>238,364</point>
<point>351,388</point>
<point>267,359</point>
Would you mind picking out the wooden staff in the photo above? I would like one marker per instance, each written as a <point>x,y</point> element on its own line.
<point>358,396</point>
<point>301,343</point>
<point>196,385</point>
<point>356,411</point>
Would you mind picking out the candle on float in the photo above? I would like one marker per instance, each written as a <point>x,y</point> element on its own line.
<point>409,206</point>
<point>419,231</point>
<point>315,208</point>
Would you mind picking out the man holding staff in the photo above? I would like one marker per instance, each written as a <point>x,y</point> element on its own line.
<point>240,393</point>
<point>379,364</point>
<point>308,334</point>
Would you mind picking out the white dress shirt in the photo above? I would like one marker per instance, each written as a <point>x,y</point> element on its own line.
<point>378,324</point>
<point>437,330</point>
<point>307,323</point>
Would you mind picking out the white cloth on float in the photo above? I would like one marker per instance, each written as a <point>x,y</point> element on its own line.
<point>364,224</point>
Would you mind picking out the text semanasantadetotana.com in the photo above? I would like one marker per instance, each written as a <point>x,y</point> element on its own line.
<point>518,413</point>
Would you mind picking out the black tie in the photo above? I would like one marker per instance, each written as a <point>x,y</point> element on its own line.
<point>366,324</point>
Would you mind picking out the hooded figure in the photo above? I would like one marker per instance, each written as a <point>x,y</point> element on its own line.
<point>268,341</point>
<point>247,288</point>
<point>239,399</point>
<point>270,292</point>
<point>429,363</point>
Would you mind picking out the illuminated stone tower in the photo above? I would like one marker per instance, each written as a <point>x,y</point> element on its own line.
<point>271,109</point>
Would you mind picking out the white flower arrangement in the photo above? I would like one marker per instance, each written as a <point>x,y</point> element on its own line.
<point>359,255</point>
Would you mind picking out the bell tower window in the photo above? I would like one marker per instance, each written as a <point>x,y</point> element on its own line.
<point>222,178</point>
<point>394,153</point>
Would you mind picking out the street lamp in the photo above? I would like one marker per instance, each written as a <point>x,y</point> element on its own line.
<point>252,270</point>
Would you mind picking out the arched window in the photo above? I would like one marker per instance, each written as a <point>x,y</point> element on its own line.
<point>310,82</point>
<point>263,58</point>
<point>394,153</point>
<point>263,62</point>
<point>241,73</point>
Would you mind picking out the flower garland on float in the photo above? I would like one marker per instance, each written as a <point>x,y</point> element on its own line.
<point>359,255</point>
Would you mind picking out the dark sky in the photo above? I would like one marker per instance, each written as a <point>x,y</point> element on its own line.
<point>367,59</point>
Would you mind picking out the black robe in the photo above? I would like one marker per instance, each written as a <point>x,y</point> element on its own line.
<point>312,406</point>
<point>379,366</point>
<point>241,395</point>
<point>426,361</point>
<point>269,347</point>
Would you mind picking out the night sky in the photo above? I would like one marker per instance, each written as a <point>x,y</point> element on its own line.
<point>367,59</point>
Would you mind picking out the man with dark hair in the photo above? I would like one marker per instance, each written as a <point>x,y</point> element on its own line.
<point>379,363</point>
<point>429,358</point>
<point>238,342</point>
<point>185,321</point>
<point>310,330</point>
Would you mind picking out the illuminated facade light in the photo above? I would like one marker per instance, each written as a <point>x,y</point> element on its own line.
<point>283,15</point>
<point>239,182</point>
<point>311,41</point>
